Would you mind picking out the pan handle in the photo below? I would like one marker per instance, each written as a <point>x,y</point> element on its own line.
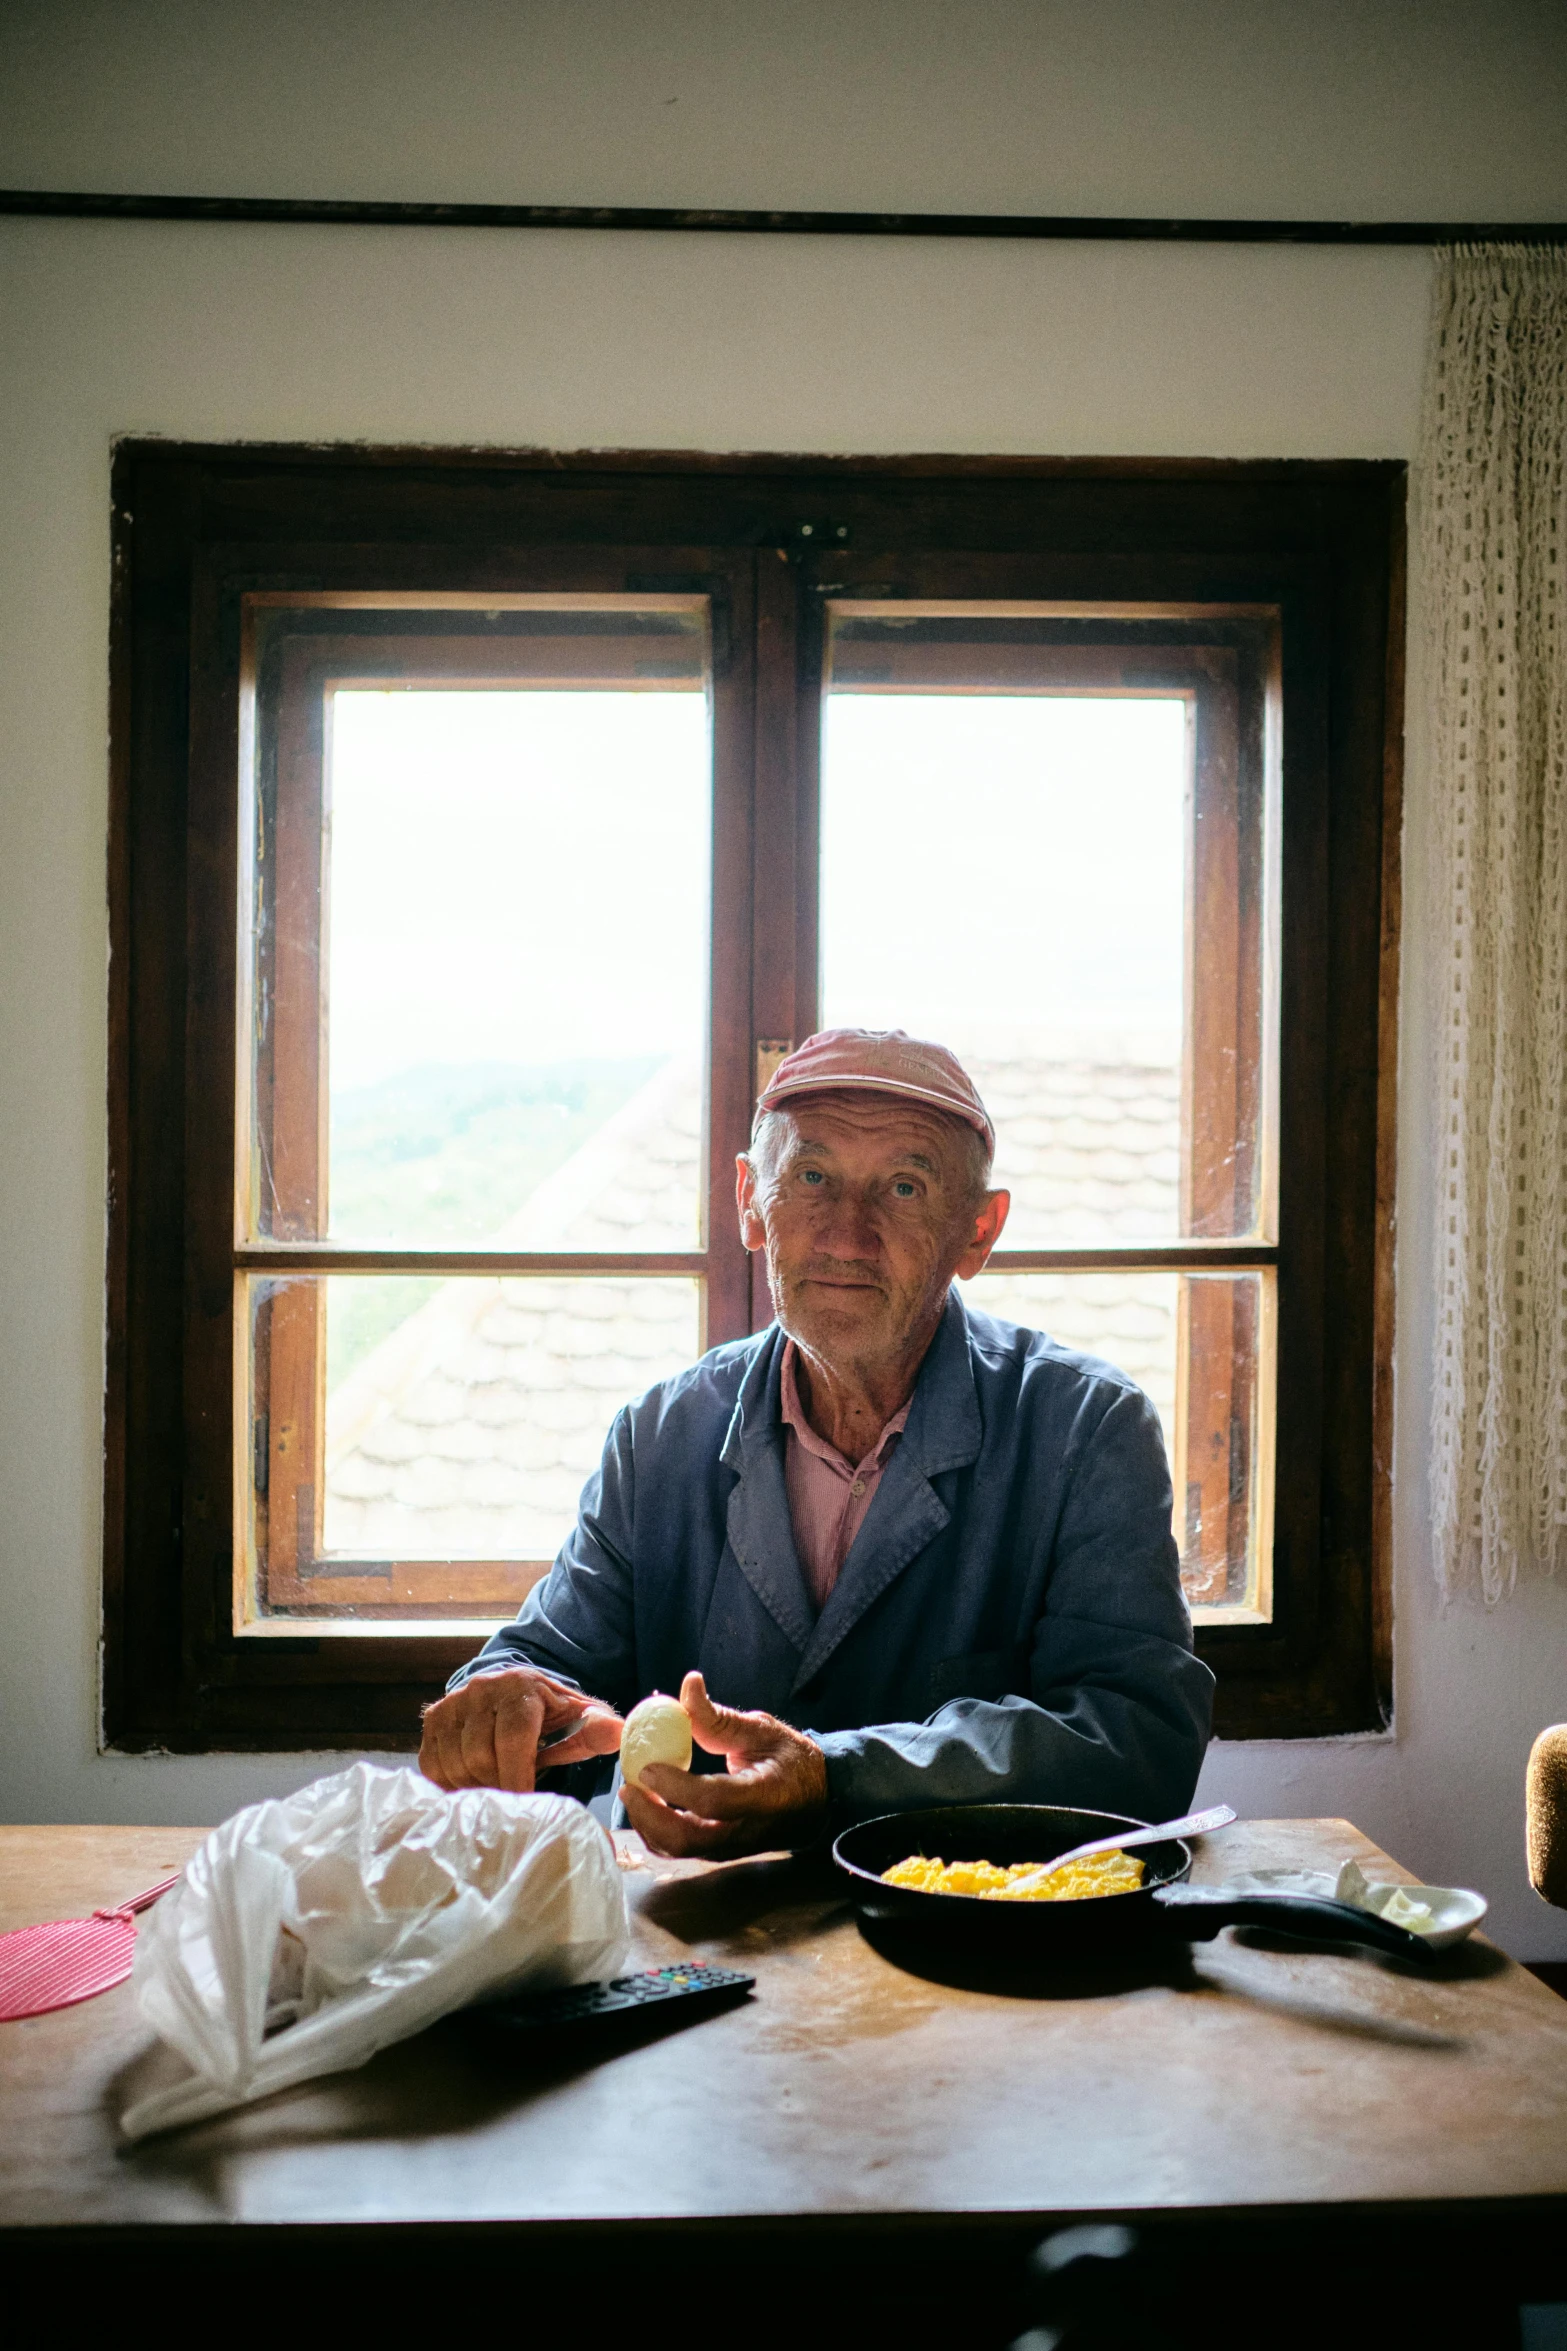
<point>1198,1912</point>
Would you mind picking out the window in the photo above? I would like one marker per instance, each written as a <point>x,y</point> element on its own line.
<point>483,830</point>
<point>1049,837</point>
<point>471,1142</point>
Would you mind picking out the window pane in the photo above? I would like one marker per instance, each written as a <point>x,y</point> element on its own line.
<point>480,994</point>
<point>1201,1347</point>
<point>1068,886</point>
<point>518,924</point>
<point>1045,943</point>
<point>461,1417</point>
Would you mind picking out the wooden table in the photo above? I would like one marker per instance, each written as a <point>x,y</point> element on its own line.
<point>899,2128</point>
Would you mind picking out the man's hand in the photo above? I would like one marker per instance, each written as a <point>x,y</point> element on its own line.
<point>774,1792</point>
<point>501,1729</point>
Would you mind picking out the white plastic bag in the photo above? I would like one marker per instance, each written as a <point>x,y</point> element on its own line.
<point>307,1934</point>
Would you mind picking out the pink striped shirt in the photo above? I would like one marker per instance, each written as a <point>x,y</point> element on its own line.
<point>828,1496</point>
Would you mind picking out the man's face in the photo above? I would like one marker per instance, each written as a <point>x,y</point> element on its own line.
<point>866,1212</point>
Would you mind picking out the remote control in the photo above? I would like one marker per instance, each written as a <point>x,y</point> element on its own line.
<point>682,1992</point>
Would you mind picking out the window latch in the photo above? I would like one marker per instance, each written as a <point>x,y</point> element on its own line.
<point>770,1051</point>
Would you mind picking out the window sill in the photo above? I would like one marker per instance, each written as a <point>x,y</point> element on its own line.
<point>362,1628</point>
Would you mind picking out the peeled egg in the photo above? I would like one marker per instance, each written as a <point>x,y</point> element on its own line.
<point>657,1731</point>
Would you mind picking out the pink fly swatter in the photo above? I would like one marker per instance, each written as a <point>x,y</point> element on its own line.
<point>70,1959</point>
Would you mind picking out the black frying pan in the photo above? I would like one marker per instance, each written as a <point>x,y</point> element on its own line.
<point>1164,1905</point>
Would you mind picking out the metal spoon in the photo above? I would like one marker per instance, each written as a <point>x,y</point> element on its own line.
<point>1192,1824</point>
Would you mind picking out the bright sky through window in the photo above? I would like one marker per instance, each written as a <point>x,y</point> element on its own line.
<point>516,877</point>
<point>1004,863</point>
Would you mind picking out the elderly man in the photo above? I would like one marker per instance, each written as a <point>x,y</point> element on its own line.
<point>890,1551</point>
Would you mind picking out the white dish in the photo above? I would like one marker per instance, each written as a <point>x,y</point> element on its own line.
<point>1455,1910</point>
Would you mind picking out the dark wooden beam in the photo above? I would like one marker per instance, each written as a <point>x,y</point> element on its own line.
<point>358,212</point>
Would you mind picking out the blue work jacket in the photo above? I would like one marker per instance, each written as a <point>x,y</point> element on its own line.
<point>1008,1625</point>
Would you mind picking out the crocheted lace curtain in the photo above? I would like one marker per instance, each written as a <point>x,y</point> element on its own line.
<point>1492,580</point>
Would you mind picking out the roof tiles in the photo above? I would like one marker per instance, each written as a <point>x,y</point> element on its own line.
<point>470,1430</point>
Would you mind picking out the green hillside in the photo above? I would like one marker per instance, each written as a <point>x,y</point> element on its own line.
<point>441,1157</point>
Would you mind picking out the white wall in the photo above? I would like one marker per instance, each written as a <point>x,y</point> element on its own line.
<point>576,341</point>
<point>1331,109</point>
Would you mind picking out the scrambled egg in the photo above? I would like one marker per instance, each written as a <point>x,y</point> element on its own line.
<point>1080,1881</point>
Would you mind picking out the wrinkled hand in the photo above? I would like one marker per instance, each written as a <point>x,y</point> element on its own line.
<point>501,1729</point>
<point>773,1794</point>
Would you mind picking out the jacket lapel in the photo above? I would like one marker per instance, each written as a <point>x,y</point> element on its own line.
<point>761,1535</point>
<point>944,1432</point>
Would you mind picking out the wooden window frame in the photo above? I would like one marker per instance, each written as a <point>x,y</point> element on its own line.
<point>198,528</point>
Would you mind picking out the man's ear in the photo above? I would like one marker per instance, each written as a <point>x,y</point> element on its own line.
<point>752,1230</point>
<point>991,1216</point>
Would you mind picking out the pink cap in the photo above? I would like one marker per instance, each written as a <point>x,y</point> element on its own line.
<point>888,1060</point>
